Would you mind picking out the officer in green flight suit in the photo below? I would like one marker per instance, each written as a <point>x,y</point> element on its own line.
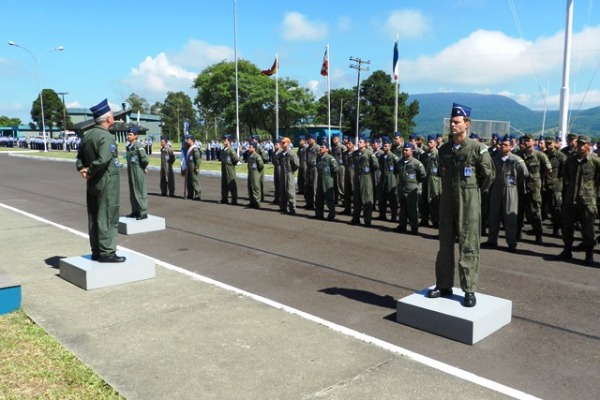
<point>98,163</point>
<point>364,162</point>
<point>256,165</point>
<point>327,167</point>
<point>411,173</point>
<point>191,169</point>
<point>388,184</point>
<point>229,160</point>
<point>137,161</point>
<point>466,169</point>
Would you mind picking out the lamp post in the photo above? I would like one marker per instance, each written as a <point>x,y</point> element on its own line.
<point>38,61</point>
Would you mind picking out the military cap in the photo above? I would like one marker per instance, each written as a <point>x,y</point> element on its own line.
<point>583,139</point>
<point>133,129</point>
<point>396,134</point>
<point>228,137</point>
<point>100,109</point>
<point>549,139</point>
<point>438,135</point>
<point>163,137</point>
<point>474,136</point>
<point>325,144</point>
<point>495,136</point>
<point>506,138</point>
<point>571,136</point>
<point>362,136</point>
<point>459,110</point>
<point>526,136</point>
<point>408,145</point>
<point>301,137</point>
<point>430,137</point>
<point>386,140</point>
<point>190,136</point>
<point>313,136</point>
<point>412,136</point>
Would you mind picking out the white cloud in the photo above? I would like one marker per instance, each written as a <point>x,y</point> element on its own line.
<point>198,54</point>
<point>344,24</point>
<point>296,26</point>
<point>406,23</point>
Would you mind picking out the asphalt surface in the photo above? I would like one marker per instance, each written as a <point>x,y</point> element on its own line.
<point>348,275</point>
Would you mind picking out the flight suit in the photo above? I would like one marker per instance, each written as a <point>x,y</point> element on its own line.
<point>364,162</point>
<point>137,161</point>
<point>327,167</point>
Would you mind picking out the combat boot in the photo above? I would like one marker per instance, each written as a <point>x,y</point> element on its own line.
<point>589,256</point>
<point>566,254</point>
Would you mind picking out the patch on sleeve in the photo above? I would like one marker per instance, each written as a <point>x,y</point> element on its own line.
<point>113,148</point>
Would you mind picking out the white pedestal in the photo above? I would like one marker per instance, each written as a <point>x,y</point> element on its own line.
<point>446,316</point>
<point>81,271</point>
<point>130,226</point>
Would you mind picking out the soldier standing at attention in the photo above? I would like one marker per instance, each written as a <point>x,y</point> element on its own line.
<point>337,151</point>
<point>432,188</point>
<point>348,177</point>
<point>552,185</point>
<point>411,173</point>
<point>302,160</point>
<point>327,167</point>
<point>288,164</point>
<point>137,161</point>
<point>98,163</point>
<point>167,177</point>
<point>504,195</point>
<point>192,169</point>
<point>229,160</point>
<point>256,165</point>
<point>310,180</point>
<point>364,162</point>
<point>261,153</point>
<point>466,170</point>
<point>582,178</point>
<point>276,169</point>
<point>398,144</point>
<point>388,186</point>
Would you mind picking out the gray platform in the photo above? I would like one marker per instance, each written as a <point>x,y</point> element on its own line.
<point>87,274</point>
<point>130,226</point>
<point>447,317</point>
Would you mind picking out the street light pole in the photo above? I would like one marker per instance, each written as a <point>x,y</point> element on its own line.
<point>39,65</point>
<point>358,66</point>
<point>64,118</point>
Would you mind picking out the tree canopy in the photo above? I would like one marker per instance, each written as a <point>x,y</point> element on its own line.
<point>176,110</point>
<point>54,112</point>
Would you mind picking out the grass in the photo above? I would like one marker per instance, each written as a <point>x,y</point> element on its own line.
<point>35,366</point>
<point>154,160</point>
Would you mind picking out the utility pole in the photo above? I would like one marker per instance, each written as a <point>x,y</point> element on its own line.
<point>358,66</point>
<point>62,94</point>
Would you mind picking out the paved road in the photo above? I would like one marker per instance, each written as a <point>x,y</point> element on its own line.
<point>352,275</point>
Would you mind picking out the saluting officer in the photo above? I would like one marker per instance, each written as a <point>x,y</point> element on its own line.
<point>327,167</point>
<point>98,163</point>
<point>137,161</point>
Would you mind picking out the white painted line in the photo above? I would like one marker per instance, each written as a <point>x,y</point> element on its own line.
<point>449,369</point>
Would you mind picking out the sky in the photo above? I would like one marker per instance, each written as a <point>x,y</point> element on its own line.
<point>115,48</point>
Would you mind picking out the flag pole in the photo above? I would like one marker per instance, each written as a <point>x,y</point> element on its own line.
<point>396,84</point>
<point>328,100</point>
<point>276,97</point>
<point>237,100</point>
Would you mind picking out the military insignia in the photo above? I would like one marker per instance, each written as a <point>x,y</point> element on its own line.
<point>113,148</point>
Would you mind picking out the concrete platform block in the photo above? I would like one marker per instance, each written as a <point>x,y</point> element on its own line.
<point>10,293</point>
<point>130,226</point>
<point>81,271</point>
<point>447,317</point>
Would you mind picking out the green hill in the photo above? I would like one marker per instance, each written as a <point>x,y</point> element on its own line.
<point>434,107</point>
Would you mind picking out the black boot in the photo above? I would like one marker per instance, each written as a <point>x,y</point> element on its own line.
<point>589,256</point>
<point>566,254</point>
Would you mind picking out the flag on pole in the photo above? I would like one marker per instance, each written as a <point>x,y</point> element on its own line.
<point>272,70</point>
<point>395,67</point>
<point>325,65</point>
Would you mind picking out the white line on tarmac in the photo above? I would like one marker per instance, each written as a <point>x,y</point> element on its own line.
<point>449,369</point>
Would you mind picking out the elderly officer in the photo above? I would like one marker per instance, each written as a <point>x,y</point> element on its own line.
<point>167,176</point>
<point>430,195</point>
<point>582,178</point>
<point>538,166</point>
<point>364,162</point>
<point>191,170</point>
<point>327,167</point>
<point>256,165</point>
<point>388,184</point>
<point>288,164</point>
<point>504,195</point>
<point>137,162</point>
<point>98,163</point>
<point>411,173</point>
<point>229,160</point>
<point>466,170</point>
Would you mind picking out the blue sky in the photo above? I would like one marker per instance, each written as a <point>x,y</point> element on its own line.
<point>115,48</point>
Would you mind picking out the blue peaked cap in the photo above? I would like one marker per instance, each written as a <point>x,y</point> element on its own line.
<point>100,109</point>
<point>459,110</point>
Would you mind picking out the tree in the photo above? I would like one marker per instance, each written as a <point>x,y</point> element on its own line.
<point>177,109</point>
<point>138,103</point>
<point>7,121</point>
<point>53,111</point>
<point>377,106</point>
<point>343,104</point>
<point>296,104</point>
<point>156,108</point>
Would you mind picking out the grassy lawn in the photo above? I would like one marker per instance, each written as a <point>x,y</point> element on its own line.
<point>154,159</point>
<point>35,366</point>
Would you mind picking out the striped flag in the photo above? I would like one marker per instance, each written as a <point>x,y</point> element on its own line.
<point>325,65</point>
<point>395,67</point>
<point>273,69</point>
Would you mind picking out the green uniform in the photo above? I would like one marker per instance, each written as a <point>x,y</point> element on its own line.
<point>465,171</point>
<point>276,175</point>
<point>288,164</point>
<point>338,153</point>
<point>552,187</point>
<point>137,161</point>
<point>167,176</point>
<point>504,196</point>
<point>388,186</point>
<point>365,163</point>
<point>582,177</point>
<point>327,167</point>
<point>98,153</point>
<point>530,203</point>
<point>411,173</point>
<point>302,168</point>
<point>265,157</point>
<point>229,160</point>
<point>310,179</point>
<point>348,181</point>
<point>192,173</point>
<point>255,167</point>
<point>432,189</point>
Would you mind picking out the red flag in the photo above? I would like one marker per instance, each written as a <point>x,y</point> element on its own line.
<point>325,65</point>
<point>273,70</point>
